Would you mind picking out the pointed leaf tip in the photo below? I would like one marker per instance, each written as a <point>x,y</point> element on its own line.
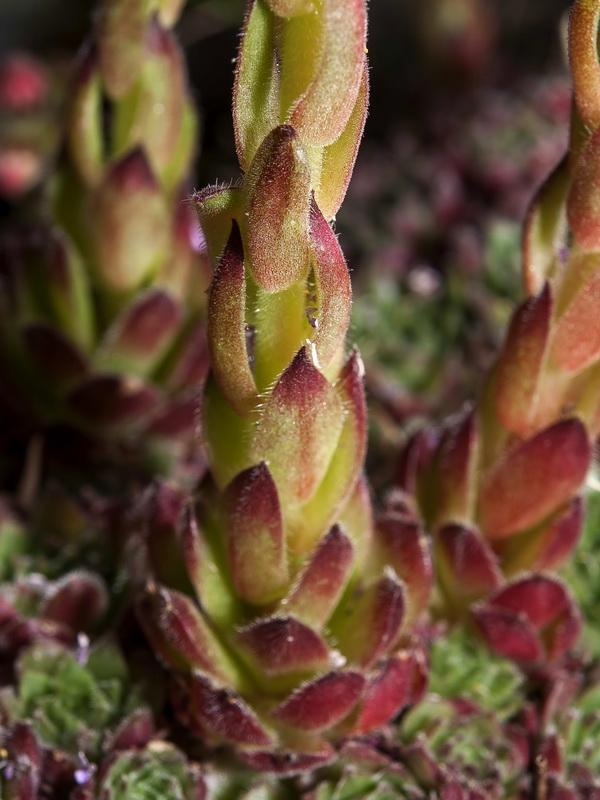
<point>321,583</point>
<point>283,645</point>
<point>299,429</point>
<point>521,361</point>
<point>255,538</point>
<point>226,715</point>
<point>534,479</point>
<point>227,329</point>
<point>468,569</point>
<point>322,703</point>
<point>278,187</point>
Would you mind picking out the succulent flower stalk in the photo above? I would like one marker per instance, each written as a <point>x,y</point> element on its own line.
<point>101,332</point>
<point>282,610</point>
<point>500,486</point>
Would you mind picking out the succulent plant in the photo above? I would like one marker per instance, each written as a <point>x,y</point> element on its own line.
<point>499,486</point>
<point>75,699</point>
<point>101,343</point>
<point>74,727</point>
<point>284,614</point>
<point>158,771</point>
<point>435,258</point>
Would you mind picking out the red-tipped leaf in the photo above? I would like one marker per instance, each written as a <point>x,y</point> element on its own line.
<point>534,478</point>
<point>225,715</point>
<point>322,703</point>
<point>456,470</point>
<point>321,583</point>
<point>255,539</point>
<point>141,335</point>
<point>386,693</point>
<point>467,568</point>
<point>334,292</point>
<point>373,625</point>
<point>299,429</point>
<point>521,363</point>
<point>226,327</point>
<point>402,544</point>
<point>283,645</point>
<point>278,190</point>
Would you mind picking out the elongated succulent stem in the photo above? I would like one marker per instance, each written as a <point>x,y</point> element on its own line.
<point>299,630</point>
<point>105,334</point>
<point>500,487</point>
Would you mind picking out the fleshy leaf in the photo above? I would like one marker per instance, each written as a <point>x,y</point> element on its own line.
<point>130,231</point>
<point>299,429</point>
<point>226,327</point>
<point>372,626</point>
<point>414,459</point>
<point>334,293</point>
<point>255,540</point>
<point>583,201</point>
<point>157,119</point>
<point>545,230</point>
<point>356,517</point>
<point>467,567</point>
<point>278,187</point>
<point>401,543</point>
<point>322,111</point>
<point>179,634</point>
<point>77,601</point>
<point>507,634</point>
<point>340,480</point>
<point>456,470</point>
<point>576,335</point>
<point>547,546</point>
<point>531,619</point>
<point>323,703</point>
<point>534,478</point>
<point>283,645</point>
<point>538,597</point>
<point>141,335</point>
<point>583,60</point>
<point>339,157</point>
<point>85,119</point>
<point>386,693</point>
<point>121,34</point>
<point>322,581</point>
<point>521,363</point>
<point>256,89</point>
<point>226,715</point>
<point>66,283</point>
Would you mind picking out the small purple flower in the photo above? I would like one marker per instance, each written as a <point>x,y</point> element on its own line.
<point>83,649</point>
<point>85,772</point>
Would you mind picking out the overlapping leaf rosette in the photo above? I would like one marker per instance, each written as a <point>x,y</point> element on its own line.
<point>75,728</point>
<point>500,486</point>
<point>283,612</point>
<point>103,295</point>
